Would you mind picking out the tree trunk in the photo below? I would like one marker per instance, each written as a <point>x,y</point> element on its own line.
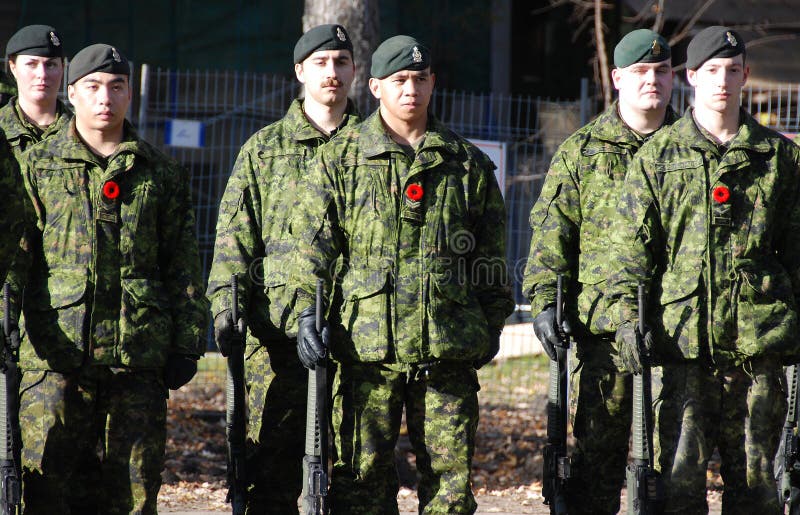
<point>360,18</point>
<point>602,56</point>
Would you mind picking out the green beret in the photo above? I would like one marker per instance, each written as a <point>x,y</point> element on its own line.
<point>399,53</point>
<point>39,40</point>
<point>322,37</point>
<point>641,46</point>
<point>97,58</point>
<point>711,42</point>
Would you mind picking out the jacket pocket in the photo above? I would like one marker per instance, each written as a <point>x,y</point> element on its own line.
<point>54,322</point>
<point>591,301</point>
<point>280,302</point>
<point>458,327</point>
<point>766,314</point>
<point>145,326</point>
<point>139,228</point>
<point>364,316</point>
<point>678,325</point>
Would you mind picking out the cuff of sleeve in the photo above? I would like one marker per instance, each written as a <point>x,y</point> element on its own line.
<point>540,302</point>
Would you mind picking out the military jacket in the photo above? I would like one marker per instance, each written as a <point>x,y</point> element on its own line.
<point>20,133</point>
<point>14,210</point>
<point>422,238</point>
<point>115,274</point>
<point>256,219</point>
<point>712,233</point>
<point>572,217</point>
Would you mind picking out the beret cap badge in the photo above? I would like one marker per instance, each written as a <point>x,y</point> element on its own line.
<point>54,39</point>
<point>656,48</point>
<point>340,34</point>
<point>416,55</point>
<point>115,55</point>
<point>731,38</point>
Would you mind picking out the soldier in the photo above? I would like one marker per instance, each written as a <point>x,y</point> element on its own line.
<point>36,59</point>
<point>570,223</point>
<point>416,214</point>
<point>114,308</point>
<point>709,219</point>
<point>255,228</point>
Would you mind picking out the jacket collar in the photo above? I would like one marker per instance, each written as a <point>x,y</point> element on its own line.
<point>611,128</point>
<point>301,129</point>
<point>375,140</point>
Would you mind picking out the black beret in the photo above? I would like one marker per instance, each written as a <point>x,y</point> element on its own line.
<point>711,42</point>
<point>399,53</point>
<point>641,46</point>
<point>40,40</point>
<point>322,37</point>
<point>97,58</point>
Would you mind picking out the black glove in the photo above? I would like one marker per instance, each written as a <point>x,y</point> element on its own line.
<point>311,345</point>
<point>544,327</point>
<point>226,334</point>
<point>630,356</point>
<point>494,348</point>
<point>12,339</point>
<point>179,370</point>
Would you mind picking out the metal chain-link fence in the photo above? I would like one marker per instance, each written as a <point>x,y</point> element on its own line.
<point>523,131</point>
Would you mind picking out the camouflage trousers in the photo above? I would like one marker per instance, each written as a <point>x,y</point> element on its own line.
<point>277,385</point>
<point>740,412</point>
<point>601,427</point>
<point>65,417</point>
<point>441,406</point>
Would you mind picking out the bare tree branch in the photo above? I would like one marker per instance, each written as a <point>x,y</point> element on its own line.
<point>659,23</point>
<point>772,39</point>
<point>641,15</point>
<point>684,30</point>
<point>602,57</point>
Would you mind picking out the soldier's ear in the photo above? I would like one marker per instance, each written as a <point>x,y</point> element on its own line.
<point>70,92</point>
<point>375,87</point>
<point>691,76</point>
<point>299,73</point>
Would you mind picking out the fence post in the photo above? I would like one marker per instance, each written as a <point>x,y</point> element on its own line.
<point>584,101</point>
<point>144,96</point>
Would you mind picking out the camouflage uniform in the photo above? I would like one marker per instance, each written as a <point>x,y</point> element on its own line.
<point>13,210</point>
<point>570,223</point>
<point>254,231</point>
<point>424,284</point>
<point>114,288</point>
<point>711,231</point>
<point>21,133</point>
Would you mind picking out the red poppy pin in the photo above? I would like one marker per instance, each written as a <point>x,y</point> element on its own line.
<point>414,192</point>
<point>721,194</point>
<point>110,190</point>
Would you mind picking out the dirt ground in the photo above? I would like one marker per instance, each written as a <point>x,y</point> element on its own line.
<point>506,472</point>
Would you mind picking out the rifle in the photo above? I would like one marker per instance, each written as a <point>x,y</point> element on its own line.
<point>556,462</point>
<point>11,497</point>
<point>789,480</point>
<point>235,407</point>
<point>644,492</point>
<point>315,462</point>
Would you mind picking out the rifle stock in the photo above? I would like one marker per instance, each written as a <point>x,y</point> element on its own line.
<point>315,461</point>
<point>235,411</point>
<point>556,462</point>
<point>11,495</point>
<point>789,481</point>
<point>644,492</point>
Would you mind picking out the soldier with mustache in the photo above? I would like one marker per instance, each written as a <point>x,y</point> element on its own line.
<point>255,231</point>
